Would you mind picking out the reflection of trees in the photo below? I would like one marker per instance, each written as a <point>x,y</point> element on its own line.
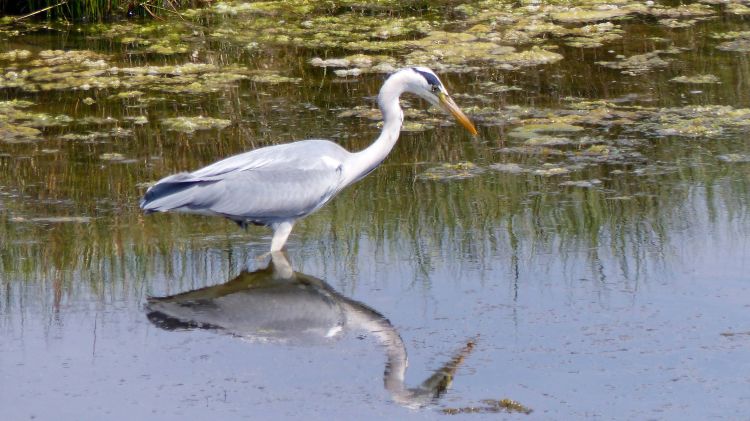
<point>277,304</point>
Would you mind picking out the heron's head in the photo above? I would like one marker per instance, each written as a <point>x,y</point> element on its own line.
<point>428,86</point>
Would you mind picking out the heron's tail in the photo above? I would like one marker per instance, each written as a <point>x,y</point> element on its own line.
<point>178,191</point>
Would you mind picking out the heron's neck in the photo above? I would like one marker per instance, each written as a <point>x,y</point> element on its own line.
<point>361,317</point>
<point>367,159</point>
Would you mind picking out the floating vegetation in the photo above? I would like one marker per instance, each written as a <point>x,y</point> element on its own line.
<point>637,64</point>
<point>192,124</point>
<point>581,15</point>
<point>547,141</point>
<point>85,70</point>
<point>696,122</point>
<point>445,172</point>
<point>274,78</point>
<point>491,406</point>
<point>510,168</point>
<point>740,41</point>
<point>17,125</point>
<point>15,133</point>
<point>677,23</point>
<point>362,111</point>
<point>536,131</point>
<point>15,55</point>
<point>85,137</point>
<point>697,79</point>
<point>538,151</point>
<point>549,170</point>
<point>738,9</point>
<point>358,64</point>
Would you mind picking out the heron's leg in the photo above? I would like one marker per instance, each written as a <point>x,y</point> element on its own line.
<point>281,232</point>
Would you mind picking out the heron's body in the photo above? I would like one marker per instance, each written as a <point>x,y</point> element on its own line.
<point>277,185</point>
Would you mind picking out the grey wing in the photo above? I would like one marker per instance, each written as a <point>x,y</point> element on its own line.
<point>263,186</point>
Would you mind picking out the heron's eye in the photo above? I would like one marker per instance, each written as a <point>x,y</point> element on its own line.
<point>435,89</point>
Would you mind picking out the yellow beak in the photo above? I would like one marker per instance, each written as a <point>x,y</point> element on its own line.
<point>448,105</point>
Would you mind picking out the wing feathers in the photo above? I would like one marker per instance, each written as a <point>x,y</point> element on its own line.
<point>266,185</point>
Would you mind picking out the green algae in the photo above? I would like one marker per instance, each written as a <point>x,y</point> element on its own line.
<point>85,137</point>
<point>86,70</point>
<point>15,55</point>
<point>18,125</point>
<point>549,170</point>
<point>580,15</point>
<point>274,78</point>
<point>638,64</point>
<point>128,95</point>
<point>694,10</point>
<point>361,111</point>
<point>741,44</point>
<point>450,51</point>
<point>536,151</point>
<point>357,64</point>
<point>531,131</point>
<point>547,141</point>
<point>738,9</point>
<point>696,121</point>
<point>677,23</point>
<point>697,79</point>
<point>446,172</point>
<point>15,133</point>
<point>730,35</point>
<point>193,124</point>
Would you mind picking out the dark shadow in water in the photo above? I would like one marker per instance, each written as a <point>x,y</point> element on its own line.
<point>277,304</point>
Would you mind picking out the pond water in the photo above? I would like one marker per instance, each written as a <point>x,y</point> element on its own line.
<point>585,256</point>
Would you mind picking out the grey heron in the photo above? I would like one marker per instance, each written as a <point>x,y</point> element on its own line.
<point>277,185</point>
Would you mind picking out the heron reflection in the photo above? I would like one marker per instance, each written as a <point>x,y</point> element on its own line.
<point>279,305</point>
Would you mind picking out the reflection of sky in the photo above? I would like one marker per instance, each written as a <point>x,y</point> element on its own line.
<point>567,339</point>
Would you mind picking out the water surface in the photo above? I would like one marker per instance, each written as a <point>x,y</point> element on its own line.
<point>585,256</point>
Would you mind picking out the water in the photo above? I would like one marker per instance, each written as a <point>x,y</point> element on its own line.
<point>594,271</point>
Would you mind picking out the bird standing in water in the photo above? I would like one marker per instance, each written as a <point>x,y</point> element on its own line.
<point>277,185</point>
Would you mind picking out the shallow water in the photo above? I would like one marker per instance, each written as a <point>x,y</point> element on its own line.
<point>585,256</point>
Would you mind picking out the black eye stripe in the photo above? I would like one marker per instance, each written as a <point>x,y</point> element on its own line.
<point>429,77</point>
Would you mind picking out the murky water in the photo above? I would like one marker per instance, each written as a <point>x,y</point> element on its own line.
<point>585,256</point>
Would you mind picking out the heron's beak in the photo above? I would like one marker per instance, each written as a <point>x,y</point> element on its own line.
<point>448,105</point>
